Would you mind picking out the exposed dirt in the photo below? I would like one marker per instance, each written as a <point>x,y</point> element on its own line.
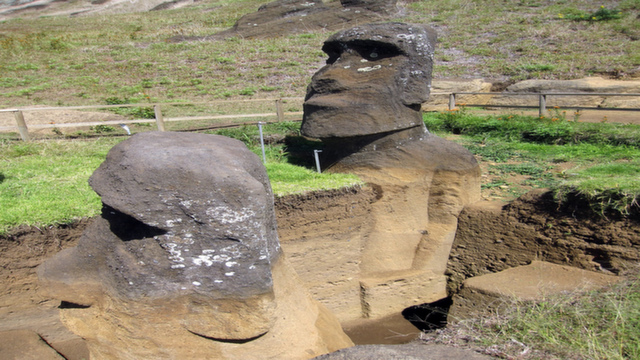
<point>491,237</point>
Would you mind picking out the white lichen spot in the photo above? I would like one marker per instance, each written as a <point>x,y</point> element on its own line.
<point>364,60</point>
<point>406,36</point>
<point>178,266</point>
<point>221,258</point>
<point>171,223</point>
<point>369,68</point>
<point>230,263</point>
<point>348,67</point>
<point>208,251</point>
<point>174,252</point>
<point>186,203</point>
<point>226,215</point>
<point>262,257</point>
<point>230,273</point>
<point>218,281</point>
<point>252,267</point>
<point>130,283</point>
<point>203,260</point>
<point>196,283</point>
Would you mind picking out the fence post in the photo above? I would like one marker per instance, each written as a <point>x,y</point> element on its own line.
<point>22,125</point>
<point>279,111</point>
<point>452,101</point>
<point>159,118</point>
<point>543,105</point>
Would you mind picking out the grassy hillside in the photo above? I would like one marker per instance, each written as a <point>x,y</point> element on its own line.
<point>126,57</point>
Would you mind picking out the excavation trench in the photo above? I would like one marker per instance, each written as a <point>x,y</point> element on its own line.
<point>314,227</point>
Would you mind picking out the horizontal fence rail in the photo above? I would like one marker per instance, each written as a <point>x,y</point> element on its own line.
<point>279,113</point>
<point>542,101</point>
<point>159,119</point>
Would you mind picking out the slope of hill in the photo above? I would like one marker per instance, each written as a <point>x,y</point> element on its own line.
<point>92,56</point>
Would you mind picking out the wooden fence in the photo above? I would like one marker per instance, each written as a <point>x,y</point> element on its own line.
<point>279,112</point>
<point>159,119</point>
<point>542,101</point>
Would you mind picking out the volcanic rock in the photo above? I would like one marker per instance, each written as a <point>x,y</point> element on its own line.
<point>185,260</point>
<point>365,106</point>
<point>285,17</point>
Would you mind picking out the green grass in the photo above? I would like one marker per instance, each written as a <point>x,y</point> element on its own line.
<point>603,324</point>
<point>57,60</point>
<point>603,169</point>
<point>45,182</point>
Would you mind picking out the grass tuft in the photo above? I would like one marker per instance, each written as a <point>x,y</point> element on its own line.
<point>604,172</point>
<point>602,324</point>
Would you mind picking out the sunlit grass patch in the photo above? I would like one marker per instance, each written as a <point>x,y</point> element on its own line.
<point>290,179</point>
<point>46,182</point>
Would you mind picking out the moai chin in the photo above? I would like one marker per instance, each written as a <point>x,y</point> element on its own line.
<point>364,104</point>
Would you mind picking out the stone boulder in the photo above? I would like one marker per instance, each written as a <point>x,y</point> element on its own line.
<point>285,17</point>
<point>413,351</point>
<point>537,281</point>
<point>439,99</point>
<point>596,85</point>
<point>185,260</point>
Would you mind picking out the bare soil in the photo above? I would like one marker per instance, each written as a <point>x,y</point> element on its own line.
<point>492,236</point>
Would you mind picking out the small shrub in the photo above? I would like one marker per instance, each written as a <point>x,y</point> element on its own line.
<point>538,67</point>
<point>103,129</point>
<point>114,100</point>
<point>250,91</point>
<point>602,14</point>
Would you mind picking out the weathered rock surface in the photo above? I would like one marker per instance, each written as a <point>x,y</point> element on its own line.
<point>284,17</point>
<point>375,80</point>
<point>185,261</point>
<point>414,351</point>
<point>365,106</point>
<point>587,85</point>
<point>537,281</point>
<point>440,90</point>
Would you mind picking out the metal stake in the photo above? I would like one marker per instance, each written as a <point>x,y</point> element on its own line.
<point>264,157</point>
<point>315,154</point>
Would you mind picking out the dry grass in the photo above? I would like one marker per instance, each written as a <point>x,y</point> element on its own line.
<point>85,60</point>
<point>602,324</point>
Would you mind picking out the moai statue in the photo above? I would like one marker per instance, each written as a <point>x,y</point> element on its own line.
<point>364,104</point>
<point>185,262</point>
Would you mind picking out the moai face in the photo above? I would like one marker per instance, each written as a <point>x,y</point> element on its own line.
<point>375,80</point>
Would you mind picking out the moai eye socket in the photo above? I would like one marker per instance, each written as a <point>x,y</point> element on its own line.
<point>373,50</point>
<point>334,50</point>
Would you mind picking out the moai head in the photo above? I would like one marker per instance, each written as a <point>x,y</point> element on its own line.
<point>375,80</point>
<point>188,219</point>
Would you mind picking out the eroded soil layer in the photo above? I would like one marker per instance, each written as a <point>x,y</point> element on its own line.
<point>491,237</point>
